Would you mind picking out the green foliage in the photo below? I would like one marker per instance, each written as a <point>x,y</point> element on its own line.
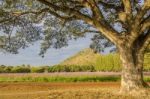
<point>20,69</point>
<point>8,69</point>
<point>147,62</point>
<point>71,68</point>
<point>65,79</point>
<point>2,67</point>
<point>37,69</point>
<point>109,62</point>
<point>61,79</point>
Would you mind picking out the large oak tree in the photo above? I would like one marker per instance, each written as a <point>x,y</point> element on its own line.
<point>124,23</point>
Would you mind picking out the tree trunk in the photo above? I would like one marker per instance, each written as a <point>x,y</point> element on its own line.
<point>132,71</point>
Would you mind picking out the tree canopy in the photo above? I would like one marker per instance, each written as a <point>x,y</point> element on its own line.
<point>23,22</point>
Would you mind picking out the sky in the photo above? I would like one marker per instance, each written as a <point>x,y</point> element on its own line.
<point>53,56</point>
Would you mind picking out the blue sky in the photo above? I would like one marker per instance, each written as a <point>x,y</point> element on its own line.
<point>53,56</point>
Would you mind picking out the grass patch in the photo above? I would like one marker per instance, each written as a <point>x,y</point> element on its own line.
<point>61,79</point>
<point>65,79</point>
<point>147,79</point>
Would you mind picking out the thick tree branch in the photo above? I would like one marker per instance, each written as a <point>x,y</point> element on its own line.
<point>101,24</point>
<point>140,15</point>
<point>68,10</point>
<point>136,32</point>
<point>127,9</point>
<point>97,17</point>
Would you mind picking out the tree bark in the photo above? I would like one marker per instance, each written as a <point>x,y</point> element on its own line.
<point>132,71</point>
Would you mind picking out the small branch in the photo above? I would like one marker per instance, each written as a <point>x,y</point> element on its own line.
<point>146,41</point>
<point>86,31</point>
<point>101,24</point>
<point>135,26</point>
<point>66,18</point>
<point>30,12</point>
<point>18,14</point>
<point>6,20</point>
<point>141,13</point>
<point>109,5</point>
<point>145,24</point>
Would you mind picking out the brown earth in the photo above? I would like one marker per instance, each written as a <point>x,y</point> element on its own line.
<point>82,90</point>
<point>94,90</point>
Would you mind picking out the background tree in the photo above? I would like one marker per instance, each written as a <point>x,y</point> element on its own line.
<point>124,23</point>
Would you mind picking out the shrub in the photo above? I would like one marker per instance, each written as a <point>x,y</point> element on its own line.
<point>37,69</point>
<point>72,68</point>
<point>8,69</point>
<point>20,69</point>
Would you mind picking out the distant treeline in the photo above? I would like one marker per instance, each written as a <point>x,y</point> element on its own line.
<point>45,69</point>
<point>22,69</point>
<point>110,62</point>
<point>58,68</point>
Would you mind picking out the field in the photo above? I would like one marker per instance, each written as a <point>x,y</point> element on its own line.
<point>65,77</point>
<point>86,89</point>
<point>95,90</point>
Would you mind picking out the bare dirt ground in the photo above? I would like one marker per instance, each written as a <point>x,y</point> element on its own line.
<point>95,90</point>
<point>78,90</point>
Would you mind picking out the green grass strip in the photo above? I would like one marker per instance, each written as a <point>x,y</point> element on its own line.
<point>65,79</point>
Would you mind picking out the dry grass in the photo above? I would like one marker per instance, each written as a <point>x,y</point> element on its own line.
<point>101,90</point>
<point>62,74</point>
<point>78,90</point>
<point>66,74</point>
<point>84,57</point>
